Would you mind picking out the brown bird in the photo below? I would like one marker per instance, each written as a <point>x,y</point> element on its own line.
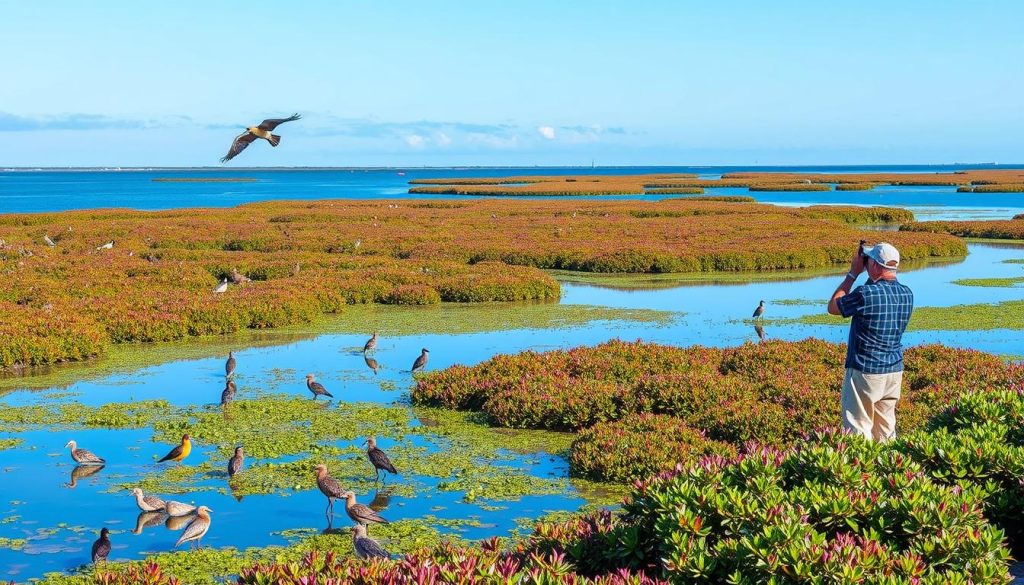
<point>366,547</point>
<point>421,362</point>
<point>229,366</point>
<point>83,456</point>
<point>371,363</point>
<point>197,528</point>
<point>371,344</point>
<point>328,486</point>
<point>148,520</point>
<point>178,522</point>
<point>180,452</point>
<point>228,394</point>
<point>101,548</point>
<point>236,462</point>
<point>378,458</point>
<point>243,140</point>
<point>81,472</point>
<point>359,513</point>
<point>178,509</point>
<point>316,387</point>
<point>147,503</point>
<point>381,499</point>
<point>238,278</point>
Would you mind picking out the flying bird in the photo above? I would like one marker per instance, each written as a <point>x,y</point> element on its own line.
<point>243,140</point>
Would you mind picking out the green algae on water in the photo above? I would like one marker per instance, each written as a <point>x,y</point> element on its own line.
<point>977,317</point>
<point>10,443</point>
<point>1010,282</point>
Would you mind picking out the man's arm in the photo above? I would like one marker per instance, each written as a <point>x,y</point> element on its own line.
<point>856,267</point>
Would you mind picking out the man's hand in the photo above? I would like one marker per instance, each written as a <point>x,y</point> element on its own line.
<point>857,264</point>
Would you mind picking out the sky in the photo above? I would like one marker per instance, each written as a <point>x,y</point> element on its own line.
<point>447,83</point>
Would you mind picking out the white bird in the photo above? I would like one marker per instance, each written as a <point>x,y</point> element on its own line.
<point>222,287</point>
<point>106,246</point>
<point>48,241</point>
<point>357,244</point>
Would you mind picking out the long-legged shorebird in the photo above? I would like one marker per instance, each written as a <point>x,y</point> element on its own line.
<point>180,452</point>
<point>197,528</point>
<point>228,394</point>
<point>177,509</point>
<point>371,344</point>
<point>359,513</point>
<point>236,462</point>
<point>378,458</point>
<point>328,487</point>
<point>366,547</point>
<point>229,366</point>
<point>316,387</point>
<point>83,456</point>
<point>147,503</point>
<point>421,362</point>
<point>101,548</point>
<point>759,311</point>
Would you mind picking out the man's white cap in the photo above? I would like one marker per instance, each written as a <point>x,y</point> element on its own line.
<point>885,254</point>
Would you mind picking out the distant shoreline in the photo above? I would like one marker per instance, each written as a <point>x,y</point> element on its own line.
<point>219,169</point>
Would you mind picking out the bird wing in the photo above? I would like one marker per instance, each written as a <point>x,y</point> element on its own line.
<point>234,465</point>
<point>380,460</point>
<point>196,529</point>
<point>175,453</point>
<point>330,487</point>
<point>369,548</point>
<point>272,123</point>
<point>240,143</point>
<point>86,456</point>
<point>100,549</point>
<point>318,388</point>
<point>154,501</point>
<point>365,513</point>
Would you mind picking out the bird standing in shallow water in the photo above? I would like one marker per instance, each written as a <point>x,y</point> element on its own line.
<point>252,133</point>
<point>328,487</point>
<point>147,503</point>
<point>228,394</point>
<point>366,547</point>
<point>759,311</point>
<point>359,513</point>
<point>197,528</point>
<point>229,366</point>
<point>180,452</point>
<point>101,548</point>
<point>378,458</point>
<point>421,362</point>
<point>316,387</point>
<point>84,456</point>
<point>236,462</point>
<point>371,344</point>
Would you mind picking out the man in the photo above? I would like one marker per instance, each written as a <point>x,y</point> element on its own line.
<point>874,359</point>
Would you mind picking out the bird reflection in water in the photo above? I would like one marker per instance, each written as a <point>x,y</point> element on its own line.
<point>179,522</point>
<point>371,363</point>
<point>82,472</point>
<point>148,520</point>
<point>760,332</point>
<point>381,499</point>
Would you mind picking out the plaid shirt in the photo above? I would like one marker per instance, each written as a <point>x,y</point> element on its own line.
<point>880,312</point>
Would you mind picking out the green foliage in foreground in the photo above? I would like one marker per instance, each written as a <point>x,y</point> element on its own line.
<point>977,317</point>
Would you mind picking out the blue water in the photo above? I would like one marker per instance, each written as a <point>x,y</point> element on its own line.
<point>59,190</point>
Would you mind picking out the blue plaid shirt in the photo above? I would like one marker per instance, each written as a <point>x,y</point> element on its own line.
<point>880,312</point>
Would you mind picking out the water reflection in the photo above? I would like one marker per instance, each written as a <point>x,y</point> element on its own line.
<point>381,499</point>
<point>760,332</point>
<point>82,472</point>
<point>371,363</point>
<point>179,522</point>
<point>148,520</point>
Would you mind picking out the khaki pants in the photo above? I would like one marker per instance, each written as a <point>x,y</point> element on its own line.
<point>869,403</point>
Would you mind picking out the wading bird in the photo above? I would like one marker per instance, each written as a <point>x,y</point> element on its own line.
<point>378,458</point>
<point>229,366</point>
<point>421,362</point>
<point>228,394</point>
<point>235,463</point>
<point>359,513</point>
<point>83,456</point>
<point>180,452</point>
<point>101,548</point>
<point>243,140</point>
<point>316,387</point>
<point>147,503</point>
<point>178,509</point>
<point>222,287</point>
<point>759,311</point>
<point>328,487</point>
<point>366,547</point>
<point>371,344</point>
<point>197,528</point>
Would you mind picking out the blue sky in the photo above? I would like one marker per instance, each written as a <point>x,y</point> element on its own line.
<point>532,82</point>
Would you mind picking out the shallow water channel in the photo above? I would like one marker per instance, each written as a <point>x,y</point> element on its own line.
<point>52,513</point>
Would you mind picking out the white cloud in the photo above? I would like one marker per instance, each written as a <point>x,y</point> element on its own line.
<point>415,140</point>
<point>443,139</point>
<point>547,132</point>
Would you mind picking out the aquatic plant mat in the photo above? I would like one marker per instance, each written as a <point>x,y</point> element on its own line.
<point>120,276</point>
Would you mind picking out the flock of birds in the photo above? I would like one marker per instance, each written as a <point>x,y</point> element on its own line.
<point>198,517</point>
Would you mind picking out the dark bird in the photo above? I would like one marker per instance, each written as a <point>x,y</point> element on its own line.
<point>81,472</point>
<point>421,362</point>
<point>316,387</point>
<point>197,528</point>
<point>371,344</point>
<point>180,452</point>
<point>366,547</point>
<point>101,548</point>
<point>147,503</point>
<point>228,394</point>
<point>759,311</point>
<point>229,366</point>
<point>328,486</point>
<point>378,458</point>
<point>83,456</point>
<point>371,363</point>
<point>236,462</point>
<point>243,140</point>
<point>359,513</point>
